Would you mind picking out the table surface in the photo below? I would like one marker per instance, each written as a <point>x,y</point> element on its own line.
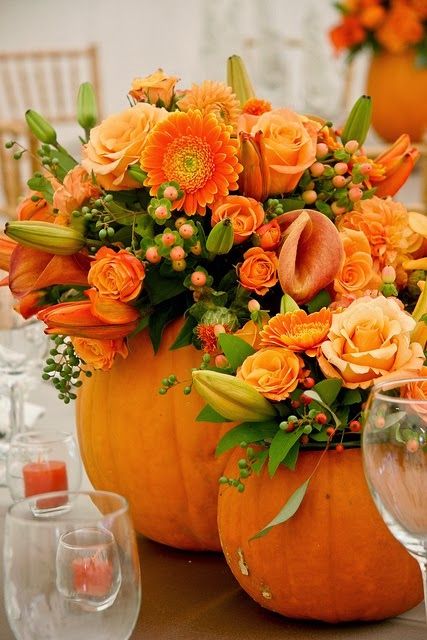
<point>193,596</point>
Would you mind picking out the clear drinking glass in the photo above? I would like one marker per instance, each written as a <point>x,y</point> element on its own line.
<point>41,462</point>
<point>395,461</point>
<point>74,573</point>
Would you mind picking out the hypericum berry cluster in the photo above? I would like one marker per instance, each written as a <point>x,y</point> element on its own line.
<point>100,214</point>
<point>172,381</point>
<point>245,466</point>
<point>64,369</point>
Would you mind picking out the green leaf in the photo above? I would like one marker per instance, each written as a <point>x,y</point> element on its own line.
<point>208,414</point>
<point>291,204</point>
<point>43,186</point>
<point>351,396</point>
<point>322,436</point>
<point>280,446</point>
<point>246,432</point>
<point>287,511</point>
<point>288,304</point>
<point>324,208</point>
<point>261,457</point>
<point>291,459</point>
<point>144,225</point>
<point>235,349</point>
<point>328,390</point>
<point>160,288</point>
<point>311,393</point>
<point>185,336</point>
<point>157,322</point>
<point>322,299</point>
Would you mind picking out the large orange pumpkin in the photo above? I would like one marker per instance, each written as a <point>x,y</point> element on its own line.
<point>149,448</point>
<point>334,560</point>
<point>399,95</point>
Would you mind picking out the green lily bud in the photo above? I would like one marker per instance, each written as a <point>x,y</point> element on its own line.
<point>46,236</point>
<point>40,127</point>
<point>232,398</point>
<point>221,237</point>
<point>359,121</point>
<point>238,79</point>
<point>87,112</point>
<point>137,173</point>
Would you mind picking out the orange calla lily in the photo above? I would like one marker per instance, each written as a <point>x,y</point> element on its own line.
<point>7,245</point>
<point>311,255</point>
<point>31,269</point>
<point>398,162</point>
<point>93,318</point>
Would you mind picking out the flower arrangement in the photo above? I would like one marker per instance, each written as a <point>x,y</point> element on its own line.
<point>272,233</point>
<point>388,25</point>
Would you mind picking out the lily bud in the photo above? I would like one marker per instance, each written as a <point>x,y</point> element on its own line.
<point>87,112</point>
<point>238,79</point>
<point>254,181</point>
<point>46,236</point>
<point>232,398</point>
<point>40,127</point>
<point>359,121</point>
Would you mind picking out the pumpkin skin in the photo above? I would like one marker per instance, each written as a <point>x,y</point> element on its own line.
<point>334,560</point>
<point>399,96</point>
<point>148,447</point>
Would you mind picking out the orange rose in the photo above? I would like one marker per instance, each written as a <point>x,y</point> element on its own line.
<point>40,210</point>
<point>274,372</point>
<point>270,235</point>
<point>357,273</point>
<point>370,341</point>
<point>99,354</point>
<point>289,145</point>
<point>76,189</point>
<point>117,143</point>
<point>116,275</point>
<point>246,215</point>
<point>155,88</point>
<point>258,272</point>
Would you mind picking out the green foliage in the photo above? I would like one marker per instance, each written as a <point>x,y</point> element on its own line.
<point>235,349</point>
<point>287,511</point>
<point>246,432</point>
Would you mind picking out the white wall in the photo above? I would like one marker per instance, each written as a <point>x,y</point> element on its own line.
<point>191,39</point>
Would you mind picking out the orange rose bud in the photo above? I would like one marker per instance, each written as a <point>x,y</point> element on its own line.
<point>246,215</point>
<point>156,88</point>
<point>270,235</point>
<point>117,275</point>
<point>254,181</point>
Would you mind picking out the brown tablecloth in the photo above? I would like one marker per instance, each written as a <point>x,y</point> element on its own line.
<point>191,596</point>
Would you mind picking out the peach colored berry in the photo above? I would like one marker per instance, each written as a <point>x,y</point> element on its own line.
<point>179,265</point>
<point>340,168</point>
<point>196,249</point>
<point>309,196</point>
<point>170,193</point>
<point>168,239</point>
<point>321,418</point>
<point>337,210</point>
<point>198,279</point>
<point>339,181</point>
<point>152,255</point>
<point>253,305</point>
<point>355,194</point>
<point>221,361</point>
<point>177,253</point>
<point>317,169</point>
<point>161,212</point>
<point>388,274</point>
<point>180,221</point>
<point>355,425</point>
<point>322,150</point>
<point>186,231</point>
<point>218,329</point>
<point>351,146</point>
<point>412,445</point>
<point>365,168</point>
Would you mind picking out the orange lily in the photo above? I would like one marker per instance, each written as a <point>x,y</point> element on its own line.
<point>254,181</point>
<point>7,245</point>
<point>398,162</point>
<point>311,255</point>
<point>98,317</point>
<point>31,304</point>
<point>31,270</point>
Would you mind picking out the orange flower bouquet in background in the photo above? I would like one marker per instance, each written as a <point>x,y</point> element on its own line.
<point>298,278</point>
<point>395,31</point>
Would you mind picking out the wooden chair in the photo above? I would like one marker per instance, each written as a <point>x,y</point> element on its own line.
<point>48,82</point>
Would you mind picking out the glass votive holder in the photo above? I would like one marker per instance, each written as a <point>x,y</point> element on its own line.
<point>88,567</point>
<point>43,461</point>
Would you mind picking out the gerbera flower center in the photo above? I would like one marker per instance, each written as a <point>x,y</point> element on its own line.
<point>188,160</point>
<point>305,330</point>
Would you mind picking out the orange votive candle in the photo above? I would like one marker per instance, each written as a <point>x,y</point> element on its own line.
<point>44,477</point>
<point>92,576</point>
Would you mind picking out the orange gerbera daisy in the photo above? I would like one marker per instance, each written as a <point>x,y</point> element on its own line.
<point>297,331</point>
<point>196,151</point>
<point>256,106</point>
<point>213,97</point>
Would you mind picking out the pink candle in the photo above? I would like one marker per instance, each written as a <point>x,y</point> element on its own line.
<point>92,576</point>
<point>43,477</point>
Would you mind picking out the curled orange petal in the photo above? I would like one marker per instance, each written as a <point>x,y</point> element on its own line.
<point>7,245</point>
<point>311,255</point>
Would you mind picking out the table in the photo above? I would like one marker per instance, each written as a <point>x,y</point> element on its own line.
<point>193,596</point>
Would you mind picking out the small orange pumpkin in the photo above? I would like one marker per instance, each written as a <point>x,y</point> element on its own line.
<point>148,447</point>
<point>399,95</point>
<point>334,560</point>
